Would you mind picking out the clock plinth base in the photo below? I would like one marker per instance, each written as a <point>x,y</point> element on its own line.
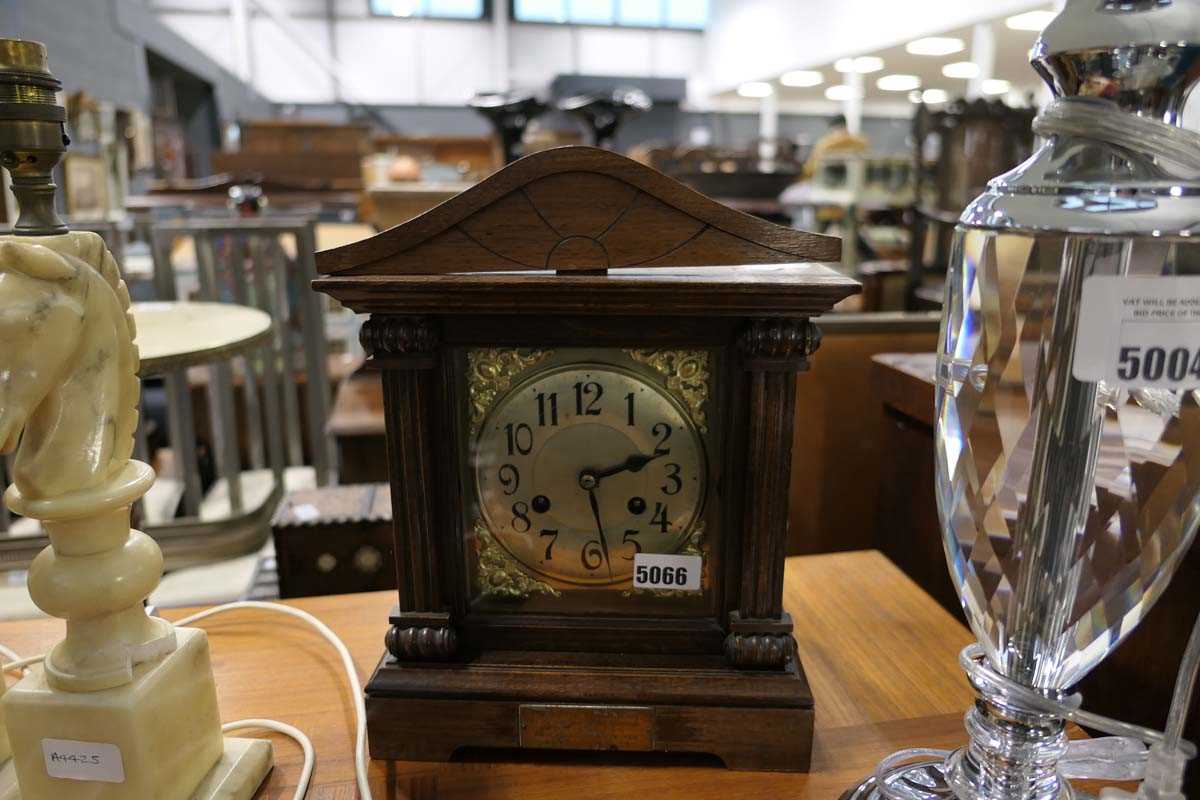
<point>750,719</point>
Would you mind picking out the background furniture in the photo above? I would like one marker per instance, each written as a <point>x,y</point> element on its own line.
<point>838,456</point>
<point>1135,683</point>
<point>956,150</point>
<point>473,157</point>
<point>850,609</point>
<point>357,427</point>
<point>268,263</point>
<point>321,155</point>
<point>334,540</point>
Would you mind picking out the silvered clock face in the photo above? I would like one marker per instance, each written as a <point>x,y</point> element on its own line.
<point>581,467</point>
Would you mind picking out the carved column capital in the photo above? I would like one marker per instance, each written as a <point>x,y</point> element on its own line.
<point>401,339</point>
<point>779,345</point>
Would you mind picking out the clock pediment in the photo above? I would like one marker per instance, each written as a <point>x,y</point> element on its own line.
<point>575,209</point>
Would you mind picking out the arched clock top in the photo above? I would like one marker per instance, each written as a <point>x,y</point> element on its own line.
<point>576,209</point>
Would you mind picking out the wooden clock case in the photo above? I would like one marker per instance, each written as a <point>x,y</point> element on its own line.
<point>585,248</point>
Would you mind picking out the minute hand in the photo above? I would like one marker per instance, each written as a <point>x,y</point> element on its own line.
<point>632,464</point>
<point>600,528</point>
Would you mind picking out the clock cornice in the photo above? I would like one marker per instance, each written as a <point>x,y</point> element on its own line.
<point>575,209</point>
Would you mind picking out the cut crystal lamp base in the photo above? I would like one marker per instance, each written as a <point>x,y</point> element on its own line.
<point>1018,749</point>
<point>926,775</point>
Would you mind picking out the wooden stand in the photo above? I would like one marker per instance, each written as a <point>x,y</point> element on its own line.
<point>749,719</point>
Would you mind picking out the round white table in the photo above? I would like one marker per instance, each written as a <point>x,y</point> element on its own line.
<point>175,335</point>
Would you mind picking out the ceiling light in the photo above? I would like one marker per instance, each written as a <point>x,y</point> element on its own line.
<point>934,96</point>
<point>862,64</point>
<point>755,89</point>
<point>1030,21</point>
<point>801,78</point>
<point>841,93</point>
<point>961,69</point>
<point>935,46</point>
<point>898,83</point>
<point>995,86</point>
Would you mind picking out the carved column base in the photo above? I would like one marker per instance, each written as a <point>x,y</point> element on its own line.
<point>421,637</point>
<point>759,643</point>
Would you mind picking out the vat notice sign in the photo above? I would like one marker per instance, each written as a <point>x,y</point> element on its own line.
<point>1139,332</point>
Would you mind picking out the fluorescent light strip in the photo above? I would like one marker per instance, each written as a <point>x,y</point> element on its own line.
<point>898,83</point>
<point>935,46</point>
<point>755,89</point>
<point>965,70</point>
<point>802,78</point>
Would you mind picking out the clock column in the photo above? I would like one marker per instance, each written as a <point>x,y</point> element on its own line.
<point>772,351</point>
<point>405,348</point>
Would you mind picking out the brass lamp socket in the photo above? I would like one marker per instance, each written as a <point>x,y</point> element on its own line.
<point>32,134</point>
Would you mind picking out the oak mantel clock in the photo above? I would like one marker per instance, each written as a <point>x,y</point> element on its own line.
<point>589,427</point>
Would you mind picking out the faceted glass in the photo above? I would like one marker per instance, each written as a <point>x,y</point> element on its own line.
<point>1066,505</point>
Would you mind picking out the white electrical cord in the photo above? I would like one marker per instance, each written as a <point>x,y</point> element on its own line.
<point>310,755</point>
<point>360,711</point>
<point>8,655</point>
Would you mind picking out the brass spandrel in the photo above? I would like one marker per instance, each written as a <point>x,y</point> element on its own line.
<point>491,372</point>
<point>686,373</point>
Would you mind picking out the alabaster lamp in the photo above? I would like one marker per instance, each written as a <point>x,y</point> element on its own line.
<point>125,706</point>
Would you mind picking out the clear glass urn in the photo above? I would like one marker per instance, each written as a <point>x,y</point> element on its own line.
<point>1068,476</point>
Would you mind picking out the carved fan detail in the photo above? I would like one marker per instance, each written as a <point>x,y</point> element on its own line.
<point>576,208</point>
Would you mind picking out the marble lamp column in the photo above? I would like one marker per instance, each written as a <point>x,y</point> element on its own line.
<point>125,706</point>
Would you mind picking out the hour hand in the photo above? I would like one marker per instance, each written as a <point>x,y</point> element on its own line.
<point>632,464</point>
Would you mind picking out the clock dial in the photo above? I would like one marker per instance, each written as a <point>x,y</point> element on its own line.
<point>581,467</point>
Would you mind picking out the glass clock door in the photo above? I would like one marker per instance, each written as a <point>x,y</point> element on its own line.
<point>589,474</point>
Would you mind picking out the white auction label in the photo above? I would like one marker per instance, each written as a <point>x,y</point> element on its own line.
<point>657,571</point>
<point>1139,332</point>
<point>83,761</point>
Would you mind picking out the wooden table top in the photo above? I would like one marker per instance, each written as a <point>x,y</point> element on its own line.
<point>880,654</point>
<point>173,335</point>
<point>905,382</point>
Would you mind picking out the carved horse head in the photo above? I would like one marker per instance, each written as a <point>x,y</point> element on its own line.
<point>68,365</point>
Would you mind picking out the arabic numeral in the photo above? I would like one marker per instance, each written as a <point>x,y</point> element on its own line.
<point>674,482</point>
<point>520,439</point>
<point>553,534</point>
<point>1152,366</point>
<point>585,389</point>
<point>591,550</point>
<point>1156,363</point>
<point>1129,363</point>
<point>663,431</point>
<point>660,517</point>
<point>1177,364</point>
<point>521,523</point>
<point>547,402</point>
<point>628,539</point>
<point>510,478</point>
